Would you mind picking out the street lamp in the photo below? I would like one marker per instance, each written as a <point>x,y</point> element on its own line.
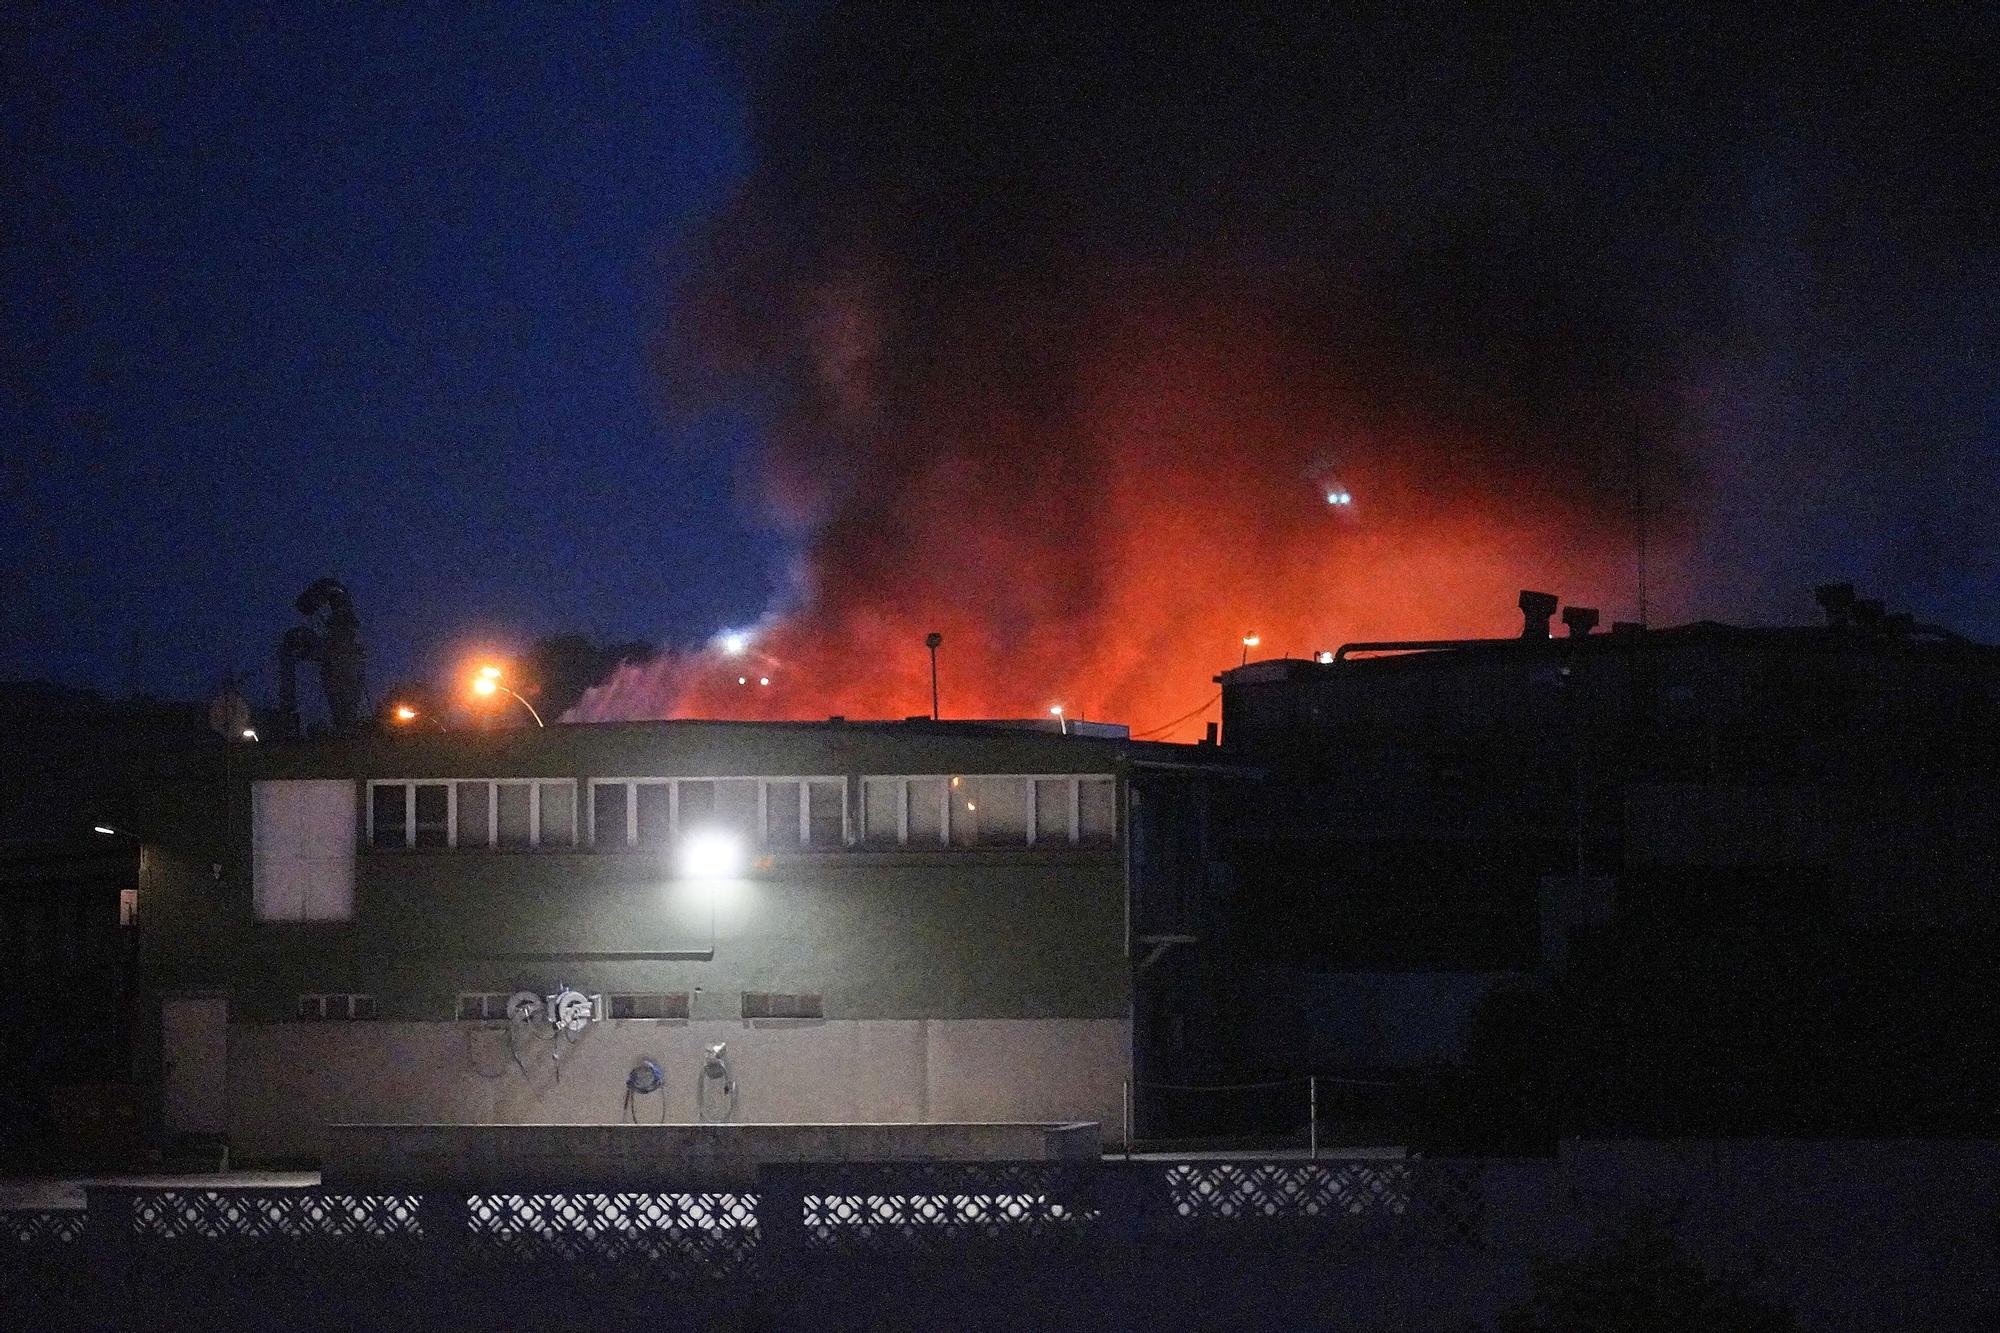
<point>932,642</point>
<point>1250,641</point>
<point>488,682</point>
<point>1061,721</point>
<point>404,715</point>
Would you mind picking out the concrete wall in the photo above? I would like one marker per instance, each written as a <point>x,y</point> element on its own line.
<point>677,1157</point>
<point>288,1080</point>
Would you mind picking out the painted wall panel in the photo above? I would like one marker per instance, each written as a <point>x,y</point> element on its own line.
<point>286,1080</point>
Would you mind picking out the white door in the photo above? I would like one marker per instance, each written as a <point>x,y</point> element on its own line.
<point>194,1039</point>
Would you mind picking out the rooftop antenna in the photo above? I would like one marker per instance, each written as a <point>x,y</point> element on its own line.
<point>931,641</point>
<point>1639,515</point>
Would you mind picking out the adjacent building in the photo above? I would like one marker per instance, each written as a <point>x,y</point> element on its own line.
<point>913,921</point>
<point>1439,817</point>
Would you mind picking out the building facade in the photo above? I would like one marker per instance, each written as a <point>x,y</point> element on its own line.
<point>1441,818</point>
<point>925,922</point>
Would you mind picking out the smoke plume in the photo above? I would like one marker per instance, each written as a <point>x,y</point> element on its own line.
<point>1070,328</point>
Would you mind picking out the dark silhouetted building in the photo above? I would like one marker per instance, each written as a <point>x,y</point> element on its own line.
<point>1442,817</point>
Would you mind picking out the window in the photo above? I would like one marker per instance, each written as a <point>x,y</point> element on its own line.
<point>655,814</point>
<point>433,813</point>
<point>128,907</point>
<point>485,1005</point>
<point>1096,810</point>
<point>388,815</point>
<point>668,1005</point>
<point>1002,817</point>
<point>988,810</point>
<point>557,820</point>
<point>610,813</point>
<point>1055,810</point>
<point>735,807</point>
<point>767,1004</point>
<point>781,813</point>
<point>337,1006</point>
<point>475,814</point>
<point>512,800</point>
<point>504,812</point>
<point>302,850</point>
<point>881,811</point>
<point>925,822</point>
<point>826,814</point>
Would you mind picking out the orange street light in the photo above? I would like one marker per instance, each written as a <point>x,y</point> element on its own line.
<point>404,715</point>
<point>487,682</point>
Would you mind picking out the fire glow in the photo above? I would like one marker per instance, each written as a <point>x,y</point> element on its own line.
<point>1033,390</point>
<point>1115,565</point>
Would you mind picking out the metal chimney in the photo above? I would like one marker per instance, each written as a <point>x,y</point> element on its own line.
<point>1537,609</point>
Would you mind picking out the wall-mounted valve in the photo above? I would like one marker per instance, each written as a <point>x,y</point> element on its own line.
<point>714,1071</point>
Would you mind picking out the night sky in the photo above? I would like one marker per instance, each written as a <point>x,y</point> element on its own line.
<point>367,296</point>
<point>647,326</point>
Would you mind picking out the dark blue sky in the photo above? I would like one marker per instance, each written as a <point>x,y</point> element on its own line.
<point>389,298</point>
<point>368,297</point>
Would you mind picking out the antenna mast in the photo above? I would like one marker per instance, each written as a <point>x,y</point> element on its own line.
<point>1639,515</point>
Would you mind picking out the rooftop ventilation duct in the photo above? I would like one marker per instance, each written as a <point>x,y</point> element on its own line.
<point>1580,620</point>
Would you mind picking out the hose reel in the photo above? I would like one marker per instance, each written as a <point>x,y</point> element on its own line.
<point>645,1079</point>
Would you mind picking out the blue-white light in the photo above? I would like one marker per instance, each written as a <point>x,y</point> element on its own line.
<point>711,854</point>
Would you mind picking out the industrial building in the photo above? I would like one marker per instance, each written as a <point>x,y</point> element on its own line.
<point>676,921</point>
<point>1439,818</point>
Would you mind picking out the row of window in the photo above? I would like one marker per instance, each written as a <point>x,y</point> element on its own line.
<point>340,1005</point>
<point>505,813</point>
<point>779,813</point>
<point>648,1004</point>
<point>990,811</point>
<point>1000,810</point>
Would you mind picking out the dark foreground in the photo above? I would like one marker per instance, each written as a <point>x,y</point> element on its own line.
<point>1735,1236</point>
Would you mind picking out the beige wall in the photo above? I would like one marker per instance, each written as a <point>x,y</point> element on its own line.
<point>288,1079</point>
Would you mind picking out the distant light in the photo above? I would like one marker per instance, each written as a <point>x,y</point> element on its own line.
<point>1324,658</point>
<point>971,805</point>
<point>1056,709</point>
<point>734,643</point>
<point>955,782</point>
<point>1339,498</point>
<point>405,713</point>
<point>711,854</point>
<point>763,680</point>
<point>1251,641</point>
<point>249,733</point>
<point>485,685</point>
<point>743,680</point>
<point>490,672</point>
<point>105,830</point>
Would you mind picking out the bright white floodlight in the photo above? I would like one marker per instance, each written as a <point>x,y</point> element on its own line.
<point>735,642</point>
<point>711,854</point>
